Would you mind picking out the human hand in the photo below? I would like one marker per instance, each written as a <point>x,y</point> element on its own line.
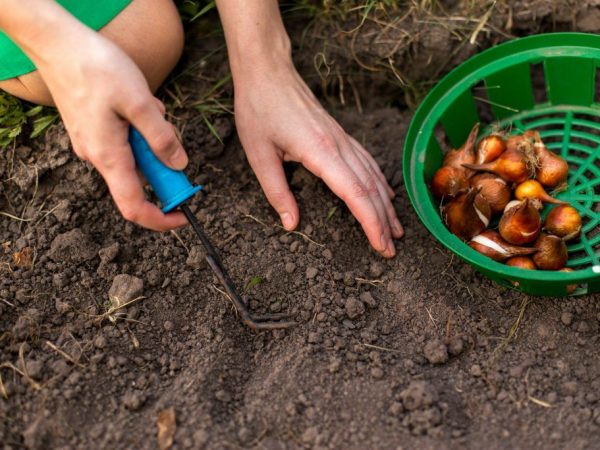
<point>279,119</point>
<point>98,93</point>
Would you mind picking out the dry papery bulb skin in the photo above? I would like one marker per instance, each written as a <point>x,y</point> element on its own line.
<point>522,262</point>
<point>465,154</point>
<point>552,252</point>
<point>534,190</point>
<point>490,148</point>
<point>449,181</point>
<point>515,165</point>
<point>468,214</point>
<point>491,244</point>
<point>563,221</point>
<point>571,288</point>
<point>552,170</point>
<point>494,189</point>
<point>521,222</point>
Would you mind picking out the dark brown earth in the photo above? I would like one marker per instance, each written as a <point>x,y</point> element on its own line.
<point>417,352</point>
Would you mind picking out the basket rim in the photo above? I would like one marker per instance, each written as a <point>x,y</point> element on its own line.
<point>529,48</point>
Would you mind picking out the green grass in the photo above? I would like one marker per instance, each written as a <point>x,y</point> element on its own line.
<point>16,116</point>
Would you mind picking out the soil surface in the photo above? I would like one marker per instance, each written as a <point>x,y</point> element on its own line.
<point>104,326</point>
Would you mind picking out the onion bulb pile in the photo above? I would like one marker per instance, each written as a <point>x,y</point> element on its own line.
<point>510,178</point>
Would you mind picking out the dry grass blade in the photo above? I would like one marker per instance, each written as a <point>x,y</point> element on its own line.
<point>377,347</point>
<point>115,306</point>
<point>64,354</point>
<point>539,402</point>
<point>3,392</point>
<point>371,282</point>
<point>24,373</point>
<point>298,233</point>
<point>10,216</point>
<point>513,329</point>
<point>180,240</point>
<point>481,24</point>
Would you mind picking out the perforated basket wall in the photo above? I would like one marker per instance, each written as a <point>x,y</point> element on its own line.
<point>545,82</point>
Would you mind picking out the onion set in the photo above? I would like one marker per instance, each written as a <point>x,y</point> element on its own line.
<point>516,164</point>
<point>465,154</point>
<point>563,221</point>
<point>508,176</point>
<point>521,222</point>
<point>491,244</point>
<point>468,214</point>
<point>534,190</point>
<point>494,189</point>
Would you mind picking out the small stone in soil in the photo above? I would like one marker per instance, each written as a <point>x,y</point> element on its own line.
<point>354,308</point>
<point>125,288</point>
<point>311,272</point>
<point>435,351</point>
<point>197,257</point>
<point>133,401</point>
<point>475,370</point>
<point>368,299</point>
<point>566,318</point>
<point>377,372</point>
<point>109,253</point>
<point>456,345</point>
<point>376,269</point>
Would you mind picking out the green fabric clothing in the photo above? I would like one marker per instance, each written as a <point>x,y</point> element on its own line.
<point>94,14</point>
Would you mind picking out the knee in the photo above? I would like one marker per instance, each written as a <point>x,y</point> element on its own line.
<point>151,33</point>
<point>30,87</point>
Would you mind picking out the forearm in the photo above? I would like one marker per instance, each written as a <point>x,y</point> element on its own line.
<point>39,27</point>
<point>255,34</point>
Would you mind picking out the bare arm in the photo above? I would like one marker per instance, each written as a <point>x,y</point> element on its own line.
<point>99,91</point>
<point>279,119</point>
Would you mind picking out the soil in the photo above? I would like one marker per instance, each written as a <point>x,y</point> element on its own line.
<point>105,326</point>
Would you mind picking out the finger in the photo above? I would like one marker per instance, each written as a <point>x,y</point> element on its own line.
<point>126,190</point>
<point>370,181</point>
<point>161,106</point>
<point>148,118</point>
<point>270,174</point>
<point>346,185</point>
<point>391,193</point>
<point>396,226</point>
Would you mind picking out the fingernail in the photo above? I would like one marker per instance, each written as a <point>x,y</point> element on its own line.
<point>391,248</point>
<point>384,243</point>
<point>398,227</point>
<point>287,220</point>
<point>179,159</point>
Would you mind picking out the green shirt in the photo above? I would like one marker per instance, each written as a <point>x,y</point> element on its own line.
<point>94,14</point>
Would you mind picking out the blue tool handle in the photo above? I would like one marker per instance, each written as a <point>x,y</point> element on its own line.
<point>171,187</point>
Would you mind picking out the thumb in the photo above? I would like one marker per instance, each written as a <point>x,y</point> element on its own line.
<point>269,171</point>
<point>148,118</point>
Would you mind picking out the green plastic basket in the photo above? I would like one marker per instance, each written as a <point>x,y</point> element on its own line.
<point>568,118</point>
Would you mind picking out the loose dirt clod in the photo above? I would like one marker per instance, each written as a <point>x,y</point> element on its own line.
<point>436,352</point>
<point>197,257</point>
<point>72,246</point>
<point>418,394</point>
<point>109,253</point>
<point>354,308</point>
<point>124,289</point>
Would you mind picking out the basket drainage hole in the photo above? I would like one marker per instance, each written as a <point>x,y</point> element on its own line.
<point>538,82</point>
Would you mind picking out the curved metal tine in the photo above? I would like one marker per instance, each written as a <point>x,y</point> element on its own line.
<point>260,322</point>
